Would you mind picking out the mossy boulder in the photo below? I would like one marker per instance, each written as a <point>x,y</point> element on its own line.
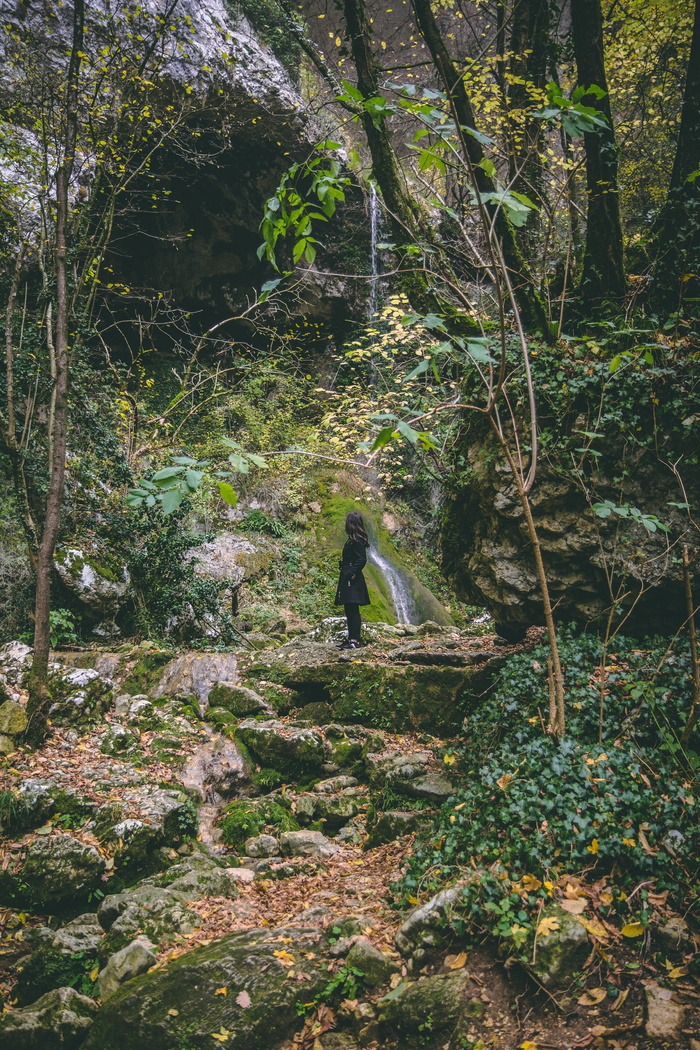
<point>238,699</point>
<point>178,1006</point>
<point>560,953</point>
<point>13,718</point>
<point>420,1010</point>
<point>49,967</point>
<point>54,870</point>
<point>292,751</point>
<point>58,1020</point>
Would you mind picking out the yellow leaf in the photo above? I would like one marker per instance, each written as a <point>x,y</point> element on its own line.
<point>632,929</point>
<point>592,997</point>
<point>174,1013</point>
<point>504,781</point>
<point>547,925</point>
<point>620,999</point>
<point>676,972</point>
<point>221,991</point>
<point>458,961</point>
<point>449,760</point>
<point>629,842</point>
<point>530,883</point>
<point>412,900</point>
<point>527,1045</point>
<point>594,927</point>
<point>593,848</point>
<point>93,973</point>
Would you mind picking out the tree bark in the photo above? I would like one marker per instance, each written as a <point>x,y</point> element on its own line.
<point>603,276</point>
<point>530,50</point>
<point>676,237</point>
<point>39,696</point>
<point>531,306</point>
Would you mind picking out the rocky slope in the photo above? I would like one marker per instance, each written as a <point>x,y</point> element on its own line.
<point>192,860</point>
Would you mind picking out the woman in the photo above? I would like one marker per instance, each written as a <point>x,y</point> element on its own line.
<point>352,589</point>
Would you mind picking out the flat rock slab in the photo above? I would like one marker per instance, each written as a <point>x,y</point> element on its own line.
<point>178,1006</point>
<point>383,695</point>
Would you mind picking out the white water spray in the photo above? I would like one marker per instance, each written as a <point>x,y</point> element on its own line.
<point>401,597</point>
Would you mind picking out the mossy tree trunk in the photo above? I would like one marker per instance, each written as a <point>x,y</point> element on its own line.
<point>603,274</point>
<point>39,696</point>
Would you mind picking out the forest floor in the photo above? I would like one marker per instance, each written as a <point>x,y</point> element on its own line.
<point>609,1006</point>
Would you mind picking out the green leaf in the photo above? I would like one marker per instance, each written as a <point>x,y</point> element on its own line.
<point>488,166</point>
<point>166,474</point>
<point>408,432</point>
<point>383,438</point>
<point>194,478</point>
<point>184,461</point>
<point>171,500</point>
<point>418,370</point>
<point>227,493</point>
<point>257,461</point>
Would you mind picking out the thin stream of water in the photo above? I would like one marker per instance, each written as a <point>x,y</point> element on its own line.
<point>403,601</point>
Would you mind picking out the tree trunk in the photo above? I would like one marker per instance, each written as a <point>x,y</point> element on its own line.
<point>531,306</point>
<point>39,696</point>
<point>530,52</point>
<point>676,237</point>
<point>603,276</point>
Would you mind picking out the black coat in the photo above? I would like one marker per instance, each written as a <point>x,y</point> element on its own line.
<point>352,589</point>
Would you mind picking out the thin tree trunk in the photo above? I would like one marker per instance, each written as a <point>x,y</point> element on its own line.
<point>694,714</point>
<point>676,237</point>
<point>530,50</point>
<point>39,696</point>
<point>532,308</point>
<point>603,275</point>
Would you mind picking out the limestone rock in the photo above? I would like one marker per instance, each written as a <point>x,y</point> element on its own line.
<point>562,952</point>
<point>426,926</point>
<point>195,673</point>
<point>102,588</point>
<point>393,824</point>
<point>294,654</point>
<point>673,936</point>
<point>242,963</point>
<point>230,558</point>
<point>307,843</point>
<point>409,775</point>
<point>15,661</point>
<point>56,869</point>
<point>131,961</point>
<point>262,846</point>
<point>13,718</point>
<point>238,700</point>
<point>82,934</point>
<point>220,766</point>
<point>7,744</point>
<point>57,1021</point>
<point>664,1017</point>
<point>291,751</point>
<point>375,965</point>
<point>428,1006</point>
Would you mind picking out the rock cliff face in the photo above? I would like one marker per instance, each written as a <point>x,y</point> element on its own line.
<point>592,563</point>
<point>198,246</point>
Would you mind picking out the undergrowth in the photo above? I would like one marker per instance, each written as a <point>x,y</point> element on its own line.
<point>535,810</point>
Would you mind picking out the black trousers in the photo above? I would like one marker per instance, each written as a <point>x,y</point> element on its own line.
<point>352,615</point>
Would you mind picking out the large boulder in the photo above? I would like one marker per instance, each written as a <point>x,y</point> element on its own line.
<point>136,958</point>
<point>292,751</point>
<point>101,586</point>
<point>13,718</point>
<point>195,674</point>
<point>421,1010</point>
<point>57,1021</point>
<point>258,1010</point>
<point>487,555</point>
<point>562,951</point>
<point>55,869</point>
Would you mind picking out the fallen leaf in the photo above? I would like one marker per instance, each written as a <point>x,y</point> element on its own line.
<point>174,1013</point>
<point>632,929</point>
<point>620,999</point>
<point>221,991</point>
<point>547,926</point>
<point>592,997</point>
<point>594,927</point>
<point>243,999</point>
<point>594,847</point>
<point>677,971</point>
<point>458,961</point>
<point>95,971</point>
<point>664,993</point>
<point>573,907</point>
<point>504,781</point>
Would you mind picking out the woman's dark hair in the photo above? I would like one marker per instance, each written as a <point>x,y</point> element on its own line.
<point>355,527</point>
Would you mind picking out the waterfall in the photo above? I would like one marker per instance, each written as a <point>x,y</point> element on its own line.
<point>401,597</point>
<point>374,230</point>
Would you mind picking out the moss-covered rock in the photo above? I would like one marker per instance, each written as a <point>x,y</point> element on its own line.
<point>49,967</point>
<point>420,1010</point>
<point>560,953</point>
<point>54,870</point>
<point>238,699</point>
<point>57,1021</point>
<point>294,752</point>
<point>245,819</point>
<point>177,1007</point>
